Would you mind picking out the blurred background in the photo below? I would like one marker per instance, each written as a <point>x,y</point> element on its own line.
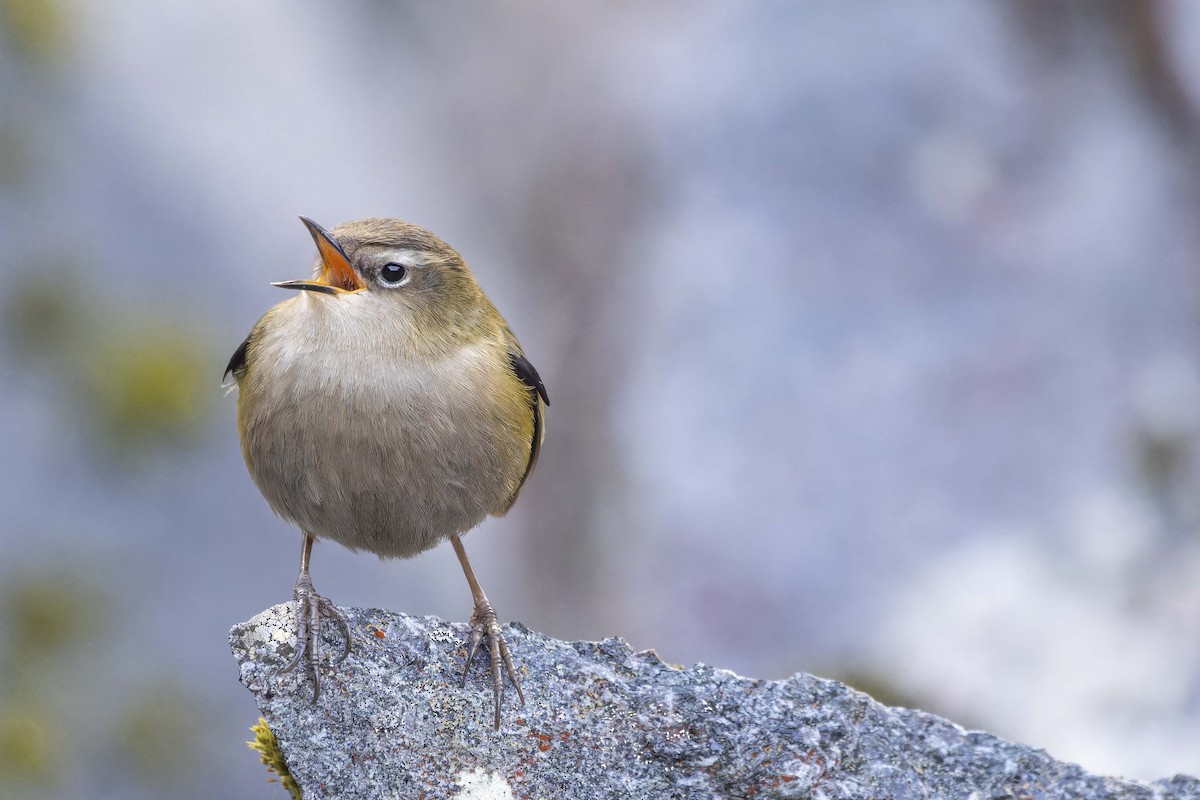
<point>872,333</point>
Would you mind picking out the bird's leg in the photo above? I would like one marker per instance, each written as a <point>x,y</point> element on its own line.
<point>484,623</point>
<point>310,607</point>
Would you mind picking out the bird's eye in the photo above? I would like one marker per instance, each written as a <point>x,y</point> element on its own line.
<point>393,274</point>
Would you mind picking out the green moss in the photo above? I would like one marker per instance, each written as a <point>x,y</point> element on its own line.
<point>269,753</point>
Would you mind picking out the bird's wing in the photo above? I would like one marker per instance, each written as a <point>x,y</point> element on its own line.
<point>528,375</point>
<point>538,400</point>
<point>237,365</point>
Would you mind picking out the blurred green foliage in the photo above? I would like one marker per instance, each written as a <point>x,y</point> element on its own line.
<point>160,735</point>
<point>27,747</point>
<point>50,621</point>
<point>144,384</point>
<point>46,617</point>
<point>267,747</point>
<point>38,28</point>
<point>48,614</point>
<point>136,380</point>
<point>44,315</point>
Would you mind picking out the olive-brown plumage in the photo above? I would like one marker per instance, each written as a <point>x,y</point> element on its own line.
<point>387,407</point>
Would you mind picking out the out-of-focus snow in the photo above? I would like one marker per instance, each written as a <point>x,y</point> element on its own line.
<point>1080,639</point>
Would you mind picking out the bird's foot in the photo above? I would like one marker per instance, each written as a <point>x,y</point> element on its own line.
<point>484,623</point>
<point>310,608</point>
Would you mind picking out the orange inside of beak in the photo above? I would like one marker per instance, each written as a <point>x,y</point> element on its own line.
<point>337,270</point>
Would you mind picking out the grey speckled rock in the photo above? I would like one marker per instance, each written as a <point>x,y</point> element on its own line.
<point>605,722</point>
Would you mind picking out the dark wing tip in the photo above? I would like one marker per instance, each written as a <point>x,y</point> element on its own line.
<point>237,362</point>
<point>528,375</point>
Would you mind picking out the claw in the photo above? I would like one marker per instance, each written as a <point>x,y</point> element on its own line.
<point>472,649</point>
<point>484,623</point>
<point>497,678</point>
<point>310,607</point>
<point>331,611</point>
<point>508,666</point>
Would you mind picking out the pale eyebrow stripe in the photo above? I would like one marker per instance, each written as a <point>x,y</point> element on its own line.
<point>415,258</point>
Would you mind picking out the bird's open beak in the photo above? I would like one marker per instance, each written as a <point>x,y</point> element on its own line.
<point>337,275</point>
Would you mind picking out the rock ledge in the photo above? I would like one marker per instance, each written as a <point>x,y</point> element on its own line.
<point>605,722</point>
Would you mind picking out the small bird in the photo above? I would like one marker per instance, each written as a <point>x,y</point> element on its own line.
<point>387,407</point>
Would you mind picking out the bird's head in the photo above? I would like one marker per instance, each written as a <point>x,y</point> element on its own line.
<point>393,261</point>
